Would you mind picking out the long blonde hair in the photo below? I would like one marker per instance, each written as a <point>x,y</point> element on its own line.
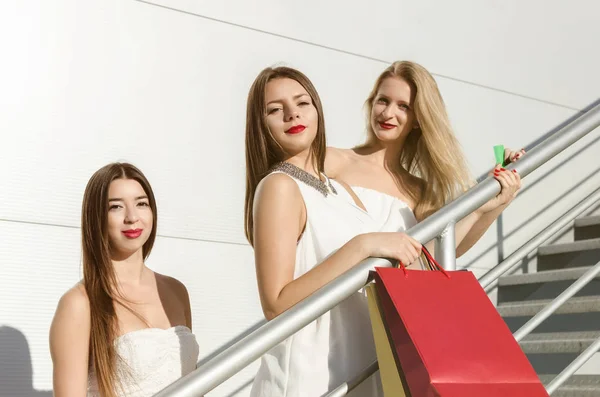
<point>262,151</point>
<point>431,151</point>
<point>99,277</point>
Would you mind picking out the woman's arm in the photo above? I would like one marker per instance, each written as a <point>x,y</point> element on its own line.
<point>470,229</point>
<point>279,219</point>
<point>69,344</point>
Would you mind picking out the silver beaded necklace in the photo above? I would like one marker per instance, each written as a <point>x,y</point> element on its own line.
<point>305,177</point>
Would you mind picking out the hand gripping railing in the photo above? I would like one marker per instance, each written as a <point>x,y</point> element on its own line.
<point>244,352</point>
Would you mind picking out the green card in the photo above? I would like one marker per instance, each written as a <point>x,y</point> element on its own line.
<point>499,154</point>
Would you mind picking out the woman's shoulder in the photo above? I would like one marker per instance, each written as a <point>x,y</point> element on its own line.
<point>75,300</point>
<point>339,154</point>
<point>336,159</point>
<point>173,285</point>
<point>72,317</point>
<point>277,186</point>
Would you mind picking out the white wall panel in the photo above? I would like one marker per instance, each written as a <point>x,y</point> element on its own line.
<point>168,106</point>
<point>535,48</point>
<point>87,83</point>
<point>39,264</point>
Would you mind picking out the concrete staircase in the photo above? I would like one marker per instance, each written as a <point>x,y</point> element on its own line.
<point>573,327</point>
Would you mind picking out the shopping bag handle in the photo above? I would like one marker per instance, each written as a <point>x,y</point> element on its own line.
<point>435,263</point>
<point>430,260</point>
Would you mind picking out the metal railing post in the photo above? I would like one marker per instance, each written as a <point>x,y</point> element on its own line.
<point>445,248</point>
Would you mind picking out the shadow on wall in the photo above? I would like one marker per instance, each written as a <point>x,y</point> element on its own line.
<point>16,370</point>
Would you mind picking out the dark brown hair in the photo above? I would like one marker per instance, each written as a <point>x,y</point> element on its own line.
<point>262,151</point>
<point>99,276</point>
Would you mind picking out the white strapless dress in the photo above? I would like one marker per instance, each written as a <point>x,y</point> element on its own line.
<point>151,359</point>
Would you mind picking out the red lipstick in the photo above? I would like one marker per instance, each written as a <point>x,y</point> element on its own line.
<point>132,233</point>
<point>296,129</point>
<point>386,126</point>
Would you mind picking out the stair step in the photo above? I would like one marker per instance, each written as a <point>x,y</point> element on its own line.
<point>587,228</point>
<point>584,304</point>
<point>568,255</point>
<point>576,246</point>
<point>544,285</point>
<point>544,276</point>
<point>588,221</point>
<point>558,342</point>
<point>577,391</point>
<point>577,314</point>
<point>576,386</point>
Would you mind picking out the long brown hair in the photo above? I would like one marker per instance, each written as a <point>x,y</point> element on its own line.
<point>262,150</point>
<point>99,277</point>
<point>431,151</point>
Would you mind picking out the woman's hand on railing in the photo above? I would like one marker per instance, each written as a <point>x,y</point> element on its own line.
<point>470,229</point>
<point>510,182</point>
<point>391,245</point>
<point>511,156</point>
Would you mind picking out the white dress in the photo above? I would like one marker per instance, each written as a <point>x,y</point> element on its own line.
<point>151,359</point>
<point>338,345</point>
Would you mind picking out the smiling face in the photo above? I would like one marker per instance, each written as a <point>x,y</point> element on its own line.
<point>291,115</point>
<point>130,217</point>
<point>392,115</point>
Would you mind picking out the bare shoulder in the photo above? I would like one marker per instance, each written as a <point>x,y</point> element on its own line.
<point>75,302</point>
<point>338,153</point>
<point>277,187</point>
<point>337,159</point>
<point>178,294</point>
<point>173,284</point>
<point>72,317</point>
<point>278,208</point>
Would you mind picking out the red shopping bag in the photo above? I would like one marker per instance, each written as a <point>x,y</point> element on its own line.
<point>449,338</point>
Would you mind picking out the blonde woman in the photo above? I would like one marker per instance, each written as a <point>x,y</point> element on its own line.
<point>412,157</point>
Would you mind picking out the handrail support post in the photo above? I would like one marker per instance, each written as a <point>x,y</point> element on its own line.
<point>445,247</point>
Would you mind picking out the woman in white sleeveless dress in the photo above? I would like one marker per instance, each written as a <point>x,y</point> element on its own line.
<point>412,156</point>
<point>124,330</point>
<point>307,230</point>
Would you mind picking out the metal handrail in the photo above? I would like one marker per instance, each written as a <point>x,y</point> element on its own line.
<point>586,205</point>
<point>238,356</point>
